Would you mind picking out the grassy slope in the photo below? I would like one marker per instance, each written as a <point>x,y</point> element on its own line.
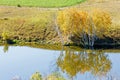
<point>37,20</point>
<point>40,3</point>
<point>112,6</point>
<point>27,24</point>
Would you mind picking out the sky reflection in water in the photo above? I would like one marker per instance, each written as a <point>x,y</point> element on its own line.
<point>24,61</point>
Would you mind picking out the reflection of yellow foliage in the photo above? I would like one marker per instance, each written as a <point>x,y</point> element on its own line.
<point>36,76</point>
<point>73,63</point>
<point>55,76</point>
<point>6,47</point>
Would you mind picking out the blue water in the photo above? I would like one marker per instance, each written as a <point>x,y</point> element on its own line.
<point>24,61</point>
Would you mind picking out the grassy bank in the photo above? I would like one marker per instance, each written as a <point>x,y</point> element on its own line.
<point>37,24</point>
<point>40,3</point>
<point>30,28</point>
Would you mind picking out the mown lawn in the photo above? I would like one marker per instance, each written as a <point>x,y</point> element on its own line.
<point>40,3</point>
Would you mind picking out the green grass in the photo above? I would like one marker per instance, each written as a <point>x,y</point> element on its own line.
<point>40,3</point>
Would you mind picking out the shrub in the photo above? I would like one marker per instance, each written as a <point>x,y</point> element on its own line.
<point>72,20</point>
<point>5,36</point>
<point>83,26</point>
<point>102,22</point>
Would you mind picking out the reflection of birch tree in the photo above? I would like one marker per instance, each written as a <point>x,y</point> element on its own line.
<point>80,62</point>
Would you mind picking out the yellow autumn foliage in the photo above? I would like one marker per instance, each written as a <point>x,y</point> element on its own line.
<point>102,21</point>
<point>71,20</point>
<point>74,21</point>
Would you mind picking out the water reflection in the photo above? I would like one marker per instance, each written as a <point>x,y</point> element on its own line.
<point>52,76</point>
<point>36,76</point>
<point>66,64</point>
<point>16,78</point>
<point>6,47</point>
<point>73,62</point>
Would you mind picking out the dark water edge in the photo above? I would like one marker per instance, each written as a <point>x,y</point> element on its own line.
<point>97,46</point>
<point>109,48</point>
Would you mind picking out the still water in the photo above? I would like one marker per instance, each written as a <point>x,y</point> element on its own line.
<point>24,61</point>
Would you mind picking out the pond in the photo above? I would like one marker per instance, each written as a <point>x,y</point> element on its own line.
<point>22,62</point>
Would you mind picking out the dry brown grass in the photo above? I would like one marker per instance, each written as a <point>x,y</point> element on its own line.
<point>34,14</point>
<point>112,6</point>
<point>27,24</point>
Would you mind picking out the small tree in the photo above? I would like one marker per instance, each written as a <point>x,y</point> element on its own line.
<point>82,25</point>
<point>72,21</point>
